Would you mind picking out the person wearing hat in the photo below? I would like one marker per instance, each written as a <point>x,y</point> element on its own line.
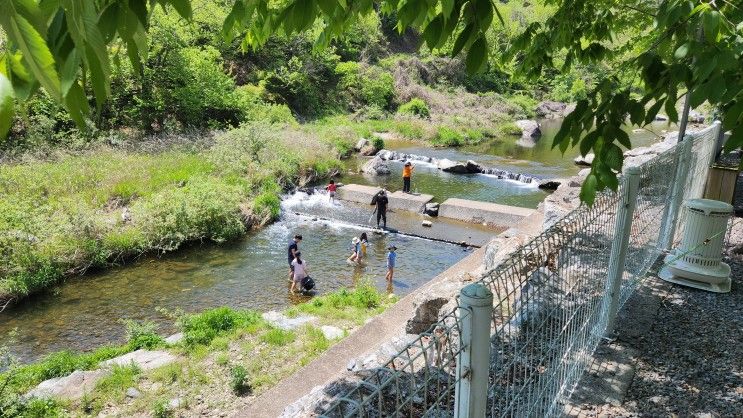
<point>380,199</point>
<point>356,247</point>
<point>407,171</point>
<point>391,259</point>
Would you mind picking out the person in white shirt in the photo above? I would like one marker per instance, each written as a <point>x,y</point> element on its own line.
<point>300,272</point>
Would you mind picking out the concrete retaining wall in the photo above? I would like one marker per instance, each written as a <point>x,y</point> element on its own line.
<point>404,201</point>
<point>491,213</point>
<point>398,200</point>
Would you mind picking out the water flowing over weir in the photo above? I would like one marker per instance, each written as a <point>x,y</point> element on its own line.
<point>475,168</point>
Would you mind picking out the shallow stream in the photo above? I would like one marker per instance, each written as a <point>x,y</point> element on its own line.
<point>252,273</point>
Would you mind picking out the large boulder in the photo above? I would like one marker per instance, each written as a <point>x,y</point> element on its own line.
<point>550,109</point>
<point>450,166</point>
<point>361,144</point>
<point>74,386</point>
<point>368,150</point>
<point>550,184</point>
<point>695,117</point>
<point>529,128</point>
<point>584,161</point>
<point>376,167</point>
<point>431,209</point>
<point>473,167</point>
<point>561,202</point>
<point>142,359</point>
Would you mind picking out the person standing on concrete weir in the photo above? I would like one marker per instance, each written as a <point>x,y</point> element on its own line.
<point>407,172</point>
<point>380,199</point>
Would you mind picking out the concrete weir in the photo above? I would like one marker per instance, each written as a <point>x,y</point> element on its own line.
<point>398,200</point>
<point>483,212</point>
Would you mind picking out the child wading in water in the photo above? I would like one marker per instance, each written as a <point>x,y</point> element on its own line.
<point>356,248</point>
<point>391,258</point>
<point>363,241</point>
<point>300,272</point>
<point>331,191</point>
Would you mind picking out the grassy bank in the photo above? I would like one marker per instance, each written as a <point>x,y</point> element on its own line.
<point>76,212</point>
<point>226,358</point>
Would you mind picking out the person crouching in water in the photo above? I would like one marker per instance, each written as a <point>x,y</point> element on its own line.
<point>331,187</point>
<point>356,250</point>
<point>300,272</point>
<point>391,259</point>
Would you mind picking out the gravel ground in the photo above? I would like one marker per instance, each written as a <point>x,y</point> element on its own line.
<point>689,360</point>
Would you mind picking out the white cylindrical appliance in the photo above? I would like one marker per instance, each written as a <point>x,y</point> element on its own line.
<point>697,262</point>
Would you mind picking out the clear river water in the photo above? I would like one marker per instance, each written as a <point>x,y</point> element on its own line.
<point>86,312</point>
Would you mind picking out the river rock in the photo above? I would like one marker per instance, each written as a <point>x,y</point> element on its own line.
<point>175,403</point>
<point>174,339</point>
<point>427,224</point>
<point>549,184</point>
<point>142,359</point>
<point>549,109</point>
<point>584,161</point>
<point>584,172</point>
<point>431,209</point>
<point>331,332</point>
<point>368,150</point>
<point>361,144</point>
<point>473,167</point>
<point>279,320</point>
<point>73,386</point>
<point>377,167</point>
<point>561,202</point>
<point>133,393</point>
<point>661,117</point>
<point>695,117</point>
<point>529,128</point>
<point>450,166</point>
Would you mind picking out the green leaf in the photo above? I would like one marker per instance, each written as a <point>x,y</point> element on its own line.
<point>711,25</point>
<point>77,104</point>
<point>623,138</point>
<point>447,6</point>
<point>183,7</point>
<point>715,88</point>
<point>733,115</point>
<point>636,112</point>
<point>433,30</point>
<point>139,8</point>
<point>670,106</point>
<point>588,142</point>
<point>682,51</point>
<point>653,111</point>
<point>736,139</point>
<point>6,106</point>
<point>477,55</point>
<point>463,39</point>
<point>613,157</point>
<point>35,51</point>
<point>68,72</point>
<point>588,190</point>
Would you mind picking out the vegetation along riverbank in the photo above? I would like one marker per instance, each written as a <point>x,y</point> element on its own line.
<point>222,359</point>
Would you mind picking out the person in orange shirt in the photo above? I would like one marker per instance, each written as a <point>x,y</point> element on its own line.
<point>407,171</point>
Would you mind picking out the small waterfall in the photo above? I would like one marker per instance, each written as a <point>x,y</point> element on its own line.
<point>473,167</point>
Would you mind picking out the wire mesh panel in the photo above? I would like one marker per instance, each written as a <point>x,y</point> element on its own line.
<point>550,304</point>
<point>419,381</point>
<point>548,317</point>
<point>702,155</point>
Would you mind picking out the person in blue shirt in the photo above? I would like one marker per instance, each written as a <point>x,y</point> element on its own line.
<point>391,259</point>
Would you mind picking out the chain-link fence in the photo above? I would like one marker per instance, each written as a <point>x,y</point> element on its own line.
<point>553,300</point>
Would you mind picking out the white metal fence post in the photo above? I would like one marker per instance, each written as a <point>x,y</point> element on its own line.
<point>623,228</point>
<point>473,362</point>
<point>677,194</point>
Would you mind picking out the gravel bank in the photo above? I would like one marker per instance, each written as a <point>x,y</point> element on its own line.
<point>689,359</point>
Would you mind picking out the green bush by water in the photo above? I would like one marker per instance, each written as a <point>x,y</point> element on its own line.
<point>415,107</point>
<point>202,328</point>
<point>447,137</point>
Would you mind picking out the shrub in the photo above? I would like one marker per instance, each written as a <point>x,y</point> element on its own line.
<point>510,128</point>
<point>161,410</point>
<point>447,137</point>
<point>204,327</point>
<point>239,380</point>
<point>415,107</point>
<point>525,103</point>
<point>409,129</point>
<point>142,335</point>
<point>474,136</point>
<point>365,85</point>
<point>378,143</point>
